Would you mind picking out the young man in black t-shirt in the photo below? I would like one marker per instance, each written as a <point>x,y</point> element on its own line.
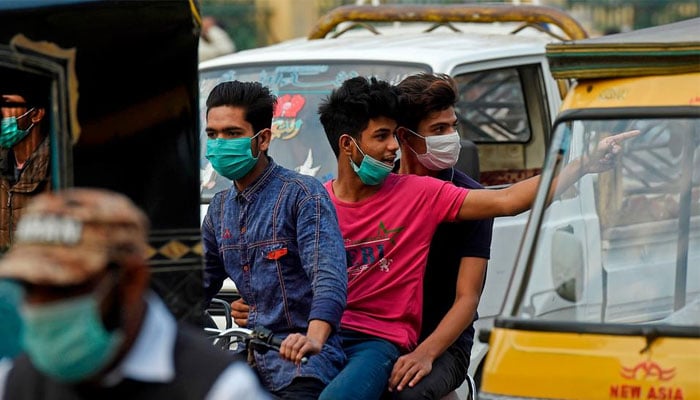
<point>459,252</point>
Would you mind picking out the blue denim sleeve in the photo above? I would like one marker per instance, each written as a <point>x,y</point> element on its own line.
<point>214,271</point>
<point>322,255</point>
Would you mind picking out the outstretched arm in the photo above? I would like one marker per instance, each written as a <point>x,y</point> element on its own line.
<point>513,200</point>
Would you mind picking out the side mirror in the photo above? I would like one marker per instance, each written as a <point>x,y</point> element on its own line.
<point>567,264</point>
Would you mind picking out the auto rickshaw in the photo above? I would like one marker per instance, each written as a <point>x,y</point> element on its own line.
<point>118,81</point>
<point>608,306</point>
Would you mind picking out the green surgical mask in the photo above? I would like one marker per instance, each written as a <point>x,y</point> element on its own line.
<point>371,171</point>
<point>11,294</point>
<point>67,339</point>
<point>231,158</point>
<point>10,133</point>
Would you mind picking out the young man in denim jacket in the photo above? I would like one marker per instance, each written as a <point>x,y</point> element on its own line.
<point>275,234</point>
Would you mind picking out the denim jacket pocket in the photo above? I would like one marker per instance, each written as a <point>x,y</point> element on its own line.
<point>275,252</point>
<point>284,283</point>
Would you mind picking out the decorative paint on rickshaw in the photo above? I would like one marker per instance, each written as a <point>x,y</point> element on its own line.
<point>607,366</point>
<point>647,91</point>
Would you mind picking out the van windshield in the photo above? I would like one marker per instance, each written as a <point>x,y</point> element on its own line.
<point>622,246</point>
<point>298,139</point>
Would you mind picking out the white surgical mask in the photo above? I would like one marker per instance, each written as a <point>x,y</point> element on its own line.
<point>441,151</point>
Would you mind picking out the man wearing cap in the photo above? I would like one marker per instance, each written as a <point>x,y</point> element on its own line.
<point>91,327</point>
<point>24,154</point>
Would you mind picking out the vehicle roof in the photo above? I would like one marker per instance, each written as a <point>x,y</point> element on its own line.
<point>677,32</point>
<point>441,50</point>
<point>660,50</point>
<point>30,4</point>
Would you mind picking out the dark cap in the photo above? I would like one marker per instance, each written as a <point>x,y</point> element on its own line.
<point>35,89</point>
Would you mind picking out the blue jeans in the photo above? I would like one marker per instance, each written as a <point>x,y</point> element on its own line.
<point>366,374</point>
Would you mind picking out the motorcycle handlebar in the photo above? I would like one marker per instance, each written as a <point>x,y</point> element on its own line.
<point>258,335</point>
<point>266,336</point>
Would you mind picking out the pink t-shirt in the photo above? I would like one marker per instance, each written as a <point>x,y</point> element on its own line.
<point>387,237</point>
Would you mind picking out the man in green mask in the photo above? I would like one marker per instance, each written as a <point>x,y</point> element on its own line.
<point>24,151</point>
<point>91,327</point>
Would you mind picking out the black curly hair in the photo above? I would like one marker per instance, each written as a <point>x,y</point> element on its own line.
<point>349,108</point>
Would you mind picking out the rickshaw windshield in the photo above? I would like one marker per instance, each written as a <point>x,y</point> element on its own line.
<point>622,246</point>
<point>298,139</point>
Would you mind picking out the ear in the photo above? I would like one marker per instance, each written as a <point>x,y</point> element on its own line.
<point>402,134</point>
<point>264,139</point>
<point>38,114</point>
<point>346,144</point>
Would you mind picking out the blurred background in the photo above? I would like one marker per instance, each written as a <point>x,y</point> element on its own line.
<point>255,23</point>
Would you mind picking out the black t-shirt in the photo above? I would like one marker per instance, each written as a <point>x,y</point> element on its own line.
<point>452,242</point>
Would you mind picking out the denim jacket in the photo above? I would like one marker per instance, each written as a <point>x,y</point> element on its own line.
<point>280,243</point>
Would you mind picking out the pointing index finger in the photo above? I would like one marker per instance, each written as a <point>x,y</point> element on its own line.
<point>627,135</point>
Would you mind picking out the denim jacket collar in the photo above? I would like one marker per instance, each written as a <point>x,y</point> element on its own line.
<point>250,193</point>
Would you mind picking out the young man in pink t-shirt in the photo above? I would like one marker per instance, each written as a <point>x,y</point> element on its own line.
<point>387,222</point>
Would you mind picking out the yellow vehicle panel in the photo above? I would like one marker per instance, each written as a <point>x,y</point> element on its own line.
<point>554,365</point>
<point>646,91</point>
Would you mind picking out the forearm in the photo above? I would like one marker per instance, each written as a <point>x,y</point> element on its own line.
<point>488,203</point>
<point>319,331</point>
<point>457,319</point>
<point>569,175</point>
<point>470,280</point>
<point>521,195</point>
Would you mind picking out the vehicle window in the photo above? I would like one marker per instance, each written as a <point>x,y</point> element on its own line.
<point>491,106</point>
<point>638,223</point>
<point>25,145</point>
<point>505,113</point>
<point>298,139</point>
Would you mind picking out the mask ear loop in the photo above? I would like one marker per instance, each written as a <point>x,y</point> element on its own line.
<point>26,113</point>
<point>420,136</point>
<point>357,145</point>
<point>257,141</point>
<point>29,128</point>
<point>358,148</point>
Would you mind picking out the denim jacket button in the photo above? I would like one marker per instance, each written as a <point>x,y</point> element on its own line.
<point>243,229</point>
<point>246,268</point>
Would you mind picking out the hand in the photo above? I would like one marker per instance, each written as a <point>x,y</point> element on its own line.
<point>207,23</point>
<point>603,158</point>
<point>409,369</point>
<point>296,345</point>
<point>239,312</point>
